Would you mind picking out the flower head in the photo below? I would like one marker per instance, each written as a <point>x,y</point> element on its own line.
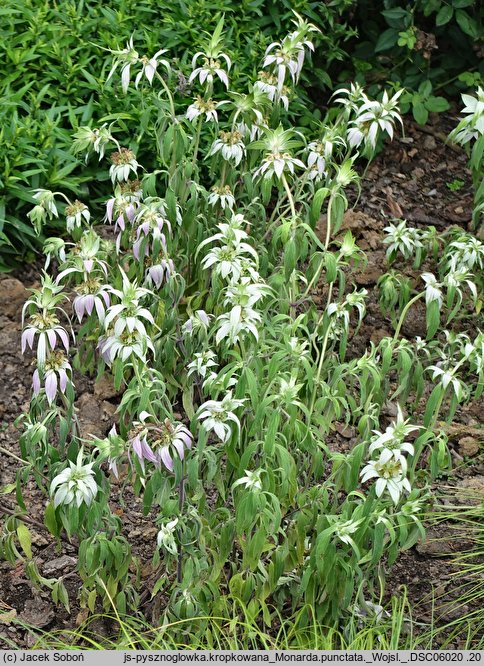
<point>287,57</point>
<point>372,118</point>
<point>96,139</point>
<point>401,238</point>
<point>219,415</point>
<point>198,323</point>
<point>210,68</point>
<point>91,295</point>
<point>252,480</point>
<point>159,442</point>
<point>125,346</point>
<point>223,196</point>
<point>230,145</point>
<point>433,289</point>
<point>128,57</point>
<point>128,315</point>
<point>46,326</point>
<point>166,537</point>
<point>278,159</point>
<point>149,67</point>
<point>201,363</point>
<point>390,473</point>
<point>159,273</point>
<point>123,163</point>
<point>75,484</point>
<point>471,127</point>
<point>239,320</point>
<point>203,106</point>
<point>75,214</point>
<point>393,437</point>
<point>268,84</point>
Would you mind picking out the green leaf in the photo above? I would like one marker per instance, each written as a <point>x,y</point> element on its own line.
<point>158,586</point>
<point>420,113</point>
<point>395,13</point>
<point>433,319</point>
<point>437,104</point>
<point>425,88</point>
<point>432,403</point>
<point>91,600</point>
<point>270,438</point>
<point>121,602</point>
<point>386,40</point>
<point>25,539</point>
<point>317,203</point>
<point>187,400</point>
<point>63,596</point>
<point>444,15</point>
<point>50,520</point>
<point>467,24</point>
<point>331,267</point>
<point>290,258</point>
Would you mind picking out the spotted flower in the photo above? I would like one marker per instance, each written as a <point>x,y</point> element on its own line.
<point>230,145</point>
<point>123,163</point>
<point>203,106</point>
<point>49,331</point>
<point>75,214</point>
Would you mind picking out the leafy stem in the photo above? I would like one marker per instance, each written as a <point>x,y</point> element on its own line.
<point>404,314</point>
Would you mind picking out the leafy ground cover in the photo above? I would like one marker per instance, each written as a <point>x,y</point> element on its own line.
<point>415,178</point>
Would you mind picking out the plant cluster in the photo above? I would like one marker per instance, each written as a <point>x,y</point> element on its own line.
<point>197,296</point>
<point>51,84</point>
